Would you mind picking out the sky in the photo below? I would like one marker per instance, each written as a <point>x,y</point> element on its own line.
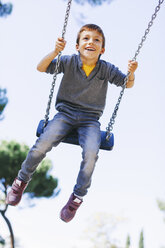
<point>127,181</point>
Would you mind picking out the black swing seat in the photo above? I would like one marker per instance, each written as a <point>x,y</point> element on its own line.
<point>72,137</point>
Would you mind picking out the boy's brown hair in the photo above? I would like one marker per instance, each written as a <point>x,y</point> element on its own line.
<point>91,27</point>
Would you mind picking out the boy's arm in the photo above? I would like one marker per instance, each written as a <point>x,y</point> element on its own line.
<point>45,62</point>
<point>132,66</point>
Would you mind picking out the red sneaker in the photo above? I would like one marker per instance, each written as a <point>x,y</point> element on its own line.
<point>69,210</point>
<point>15,194</point>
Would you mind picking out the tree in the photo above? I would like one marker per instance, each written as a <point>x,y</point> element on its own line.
<point>161,205</point>
<point>141,240</point>
<point>2,241</point>
<point>93,2</point>
<point>5,9</point>
<point>12,154</point>
<point>100,230</point>
<point>128,242</point>
<point>3,101</point>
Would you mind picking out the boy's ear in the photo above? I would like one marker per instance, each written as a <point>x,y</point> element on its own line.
<point>77,47</point>
<point>102,50</point>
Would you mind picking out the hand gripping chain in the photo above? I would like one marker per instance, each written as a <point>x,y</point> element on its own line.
<point>46,118</point>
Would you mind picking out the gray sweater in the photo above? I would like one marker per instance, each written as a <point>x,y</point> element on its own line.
<point>79,92</point>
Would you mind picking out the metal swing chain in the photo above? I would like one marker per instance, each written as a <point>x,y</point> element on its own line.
<point>46,118</point>
<point>109,128</point>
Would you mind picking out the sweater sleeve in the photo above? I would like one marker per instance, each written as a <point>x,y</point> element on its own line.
<point>61,69</point>
<point>115,76</point>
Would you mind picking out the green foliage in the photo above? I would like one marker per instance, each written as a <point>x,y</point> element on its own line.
<point>42,183</point>
<point>141,240</point>
<point>161,205</point>
<point>128,242</point>
<point>2,241</point>
<point>93,2</point>
<point>5,9</point>
<point>12,154</point>
<point>100,229</point>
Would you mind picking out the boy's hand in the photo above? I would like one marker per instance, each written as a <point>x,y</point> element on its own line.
<point>60,45</point>
<point>132,66</point>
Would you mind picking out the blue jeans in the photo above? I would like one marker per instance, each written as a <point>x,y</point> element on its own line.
<point>88,128</point>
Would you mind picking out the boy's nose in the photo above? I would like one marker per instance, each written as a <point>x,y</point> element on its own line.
<point>90,41</point>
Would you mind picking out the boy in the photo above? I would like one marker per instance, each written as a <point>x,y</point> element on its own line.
<point>80,103</point>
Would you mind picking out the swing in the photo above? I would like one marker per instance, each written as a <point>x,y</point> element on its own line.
<point>107,137</point>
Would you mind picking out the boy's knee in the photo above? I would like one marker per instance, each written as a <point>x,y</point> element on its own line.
<point>91,155</point>
<point>42,147</point>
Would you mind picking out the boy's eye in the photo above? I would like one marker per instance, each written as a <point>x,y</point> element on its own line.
<point>97,40</point>
<point>85,38</point>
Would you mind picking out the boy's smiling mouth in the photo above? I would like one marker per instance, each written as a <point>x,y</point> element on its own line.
<point>90,49</point>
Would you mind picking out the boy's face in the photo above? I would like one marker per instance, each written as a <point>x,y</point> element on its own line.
<point>90,45</point>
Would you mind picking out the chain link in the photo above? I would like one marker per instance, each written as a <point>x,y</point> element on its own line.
<point>148,29</point>
<point>109,128</point>
<point>46,118</point>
